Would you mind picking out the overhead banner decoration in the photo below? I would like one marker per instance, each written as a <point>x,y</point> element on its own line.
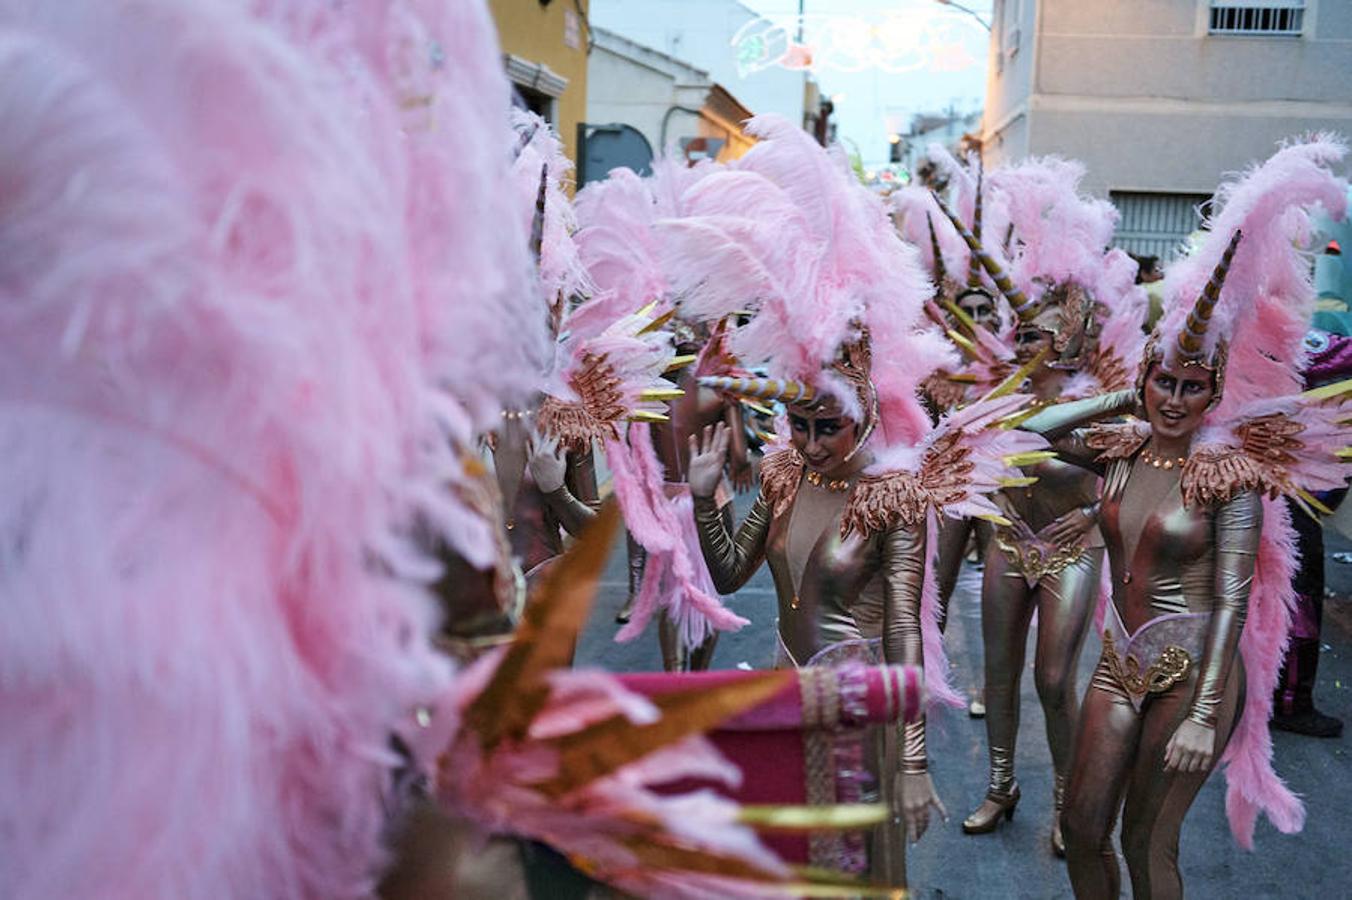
<point>907,40</point>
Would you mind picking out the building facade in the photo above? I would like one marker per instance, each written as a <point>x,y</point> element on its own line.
<point>668,101</point>
<point>701,32</point>
<point>544,50</point>
<point>1161,98</point>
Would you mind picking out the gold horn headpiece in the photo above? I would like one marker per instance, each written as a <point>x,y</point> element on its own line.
<point>855,365</point>
<point>940,273</point>
<point>1025,308</point>
<point>1193,335</point>
<point>974,265</point>
<point>773,389</point>
<point>537,225</point>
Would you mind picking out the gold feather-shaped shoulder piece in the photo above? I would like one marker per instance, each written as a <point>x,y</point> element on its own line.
<point>1117,440</point>
<point>880,502</point>
<point>781,473</point>
<point>1268,446</point>
<point>943,391</point>
<point>1110,370</point>
<point>593,416</point>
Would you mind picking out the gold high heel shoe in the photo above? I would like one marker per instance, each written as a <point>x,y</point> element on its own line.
<point>1001,797</point>
<point>987,816</point>
<point>1058,803</point>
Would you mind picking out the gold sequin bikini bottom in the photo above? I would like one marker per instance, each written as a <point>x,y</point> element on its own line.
<point>1159,655</point>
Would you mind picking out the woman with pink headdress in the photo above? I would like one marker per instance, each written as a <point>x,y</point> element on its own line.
<point>849,494</point>
<point>1199,544</point>
<point>1079,317</point>
<point>667,580</point>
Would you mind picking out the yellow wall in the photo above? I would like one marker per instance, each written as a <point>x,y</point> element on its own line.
<point>536,33</point>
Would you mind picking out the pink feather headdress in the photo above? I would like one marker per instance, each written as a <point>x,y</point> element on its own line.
<point>1061,235</point>
<point>1062,256</point>
<point>239,277</point>
<point>788,232</point>
<point>1253,297</point>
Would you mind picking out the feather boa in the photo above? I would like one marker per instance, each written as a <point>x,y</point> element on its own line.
<point>937,681</point>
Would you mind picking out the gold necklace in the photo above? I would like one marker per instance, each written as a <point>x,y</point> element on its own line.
<point>816,479</point>
<point>1151,459</point>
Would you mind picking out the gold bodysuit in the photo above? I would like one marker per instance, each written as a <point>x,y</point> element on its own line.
<point>831,586</point>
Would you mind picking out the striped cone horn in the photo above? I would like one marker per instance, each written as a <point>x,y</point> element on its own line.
<point>1191,338</point>
<point>773,389</point>
<point>939,271</point>
<point>974,266</point>
<point>1023,306</point>
<point>537,225</point>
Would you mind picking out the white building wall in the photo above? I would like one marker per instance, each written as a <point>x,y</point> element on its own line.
<point>629,86</point>
<point>700,33</point>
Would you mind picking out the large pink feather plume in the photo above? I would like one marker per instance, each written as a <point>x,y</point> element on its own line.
<point>914,209</point>
<point>1060,234</point>
<point>1267,298</point>
<point>1125,308</point>
<point>1252,786</point>
<point>620,250</point>
<point>561,272</point>
<point>236,283</point>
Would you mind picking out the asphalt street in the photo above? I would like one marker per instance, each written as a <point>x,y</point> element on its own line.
<point>1016,861</point>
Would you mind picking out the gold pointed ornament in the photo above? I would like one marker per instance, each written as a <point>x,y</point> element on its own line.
<point>776,390</point>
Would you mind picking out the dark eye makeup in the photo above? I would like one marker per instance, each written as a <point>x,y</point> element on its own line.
<point>828,427</point>
<point>824,427</point>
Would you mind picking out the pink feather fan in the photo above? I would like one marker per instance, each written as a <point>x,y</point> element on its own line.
<point>233,295</point>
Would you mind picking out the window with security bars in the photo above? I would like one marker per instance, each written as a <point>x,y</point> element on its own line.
<point>1154,224</point>
<point>1261,17</point>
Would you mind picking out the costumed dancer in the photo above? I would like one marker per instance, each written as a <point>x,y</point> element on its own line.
<point>969,314</point>
<point>546,493</point>
<point>667,576</point>
<point>843,521</point>
<point>1200,545</point>
<point>1080,316</point>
